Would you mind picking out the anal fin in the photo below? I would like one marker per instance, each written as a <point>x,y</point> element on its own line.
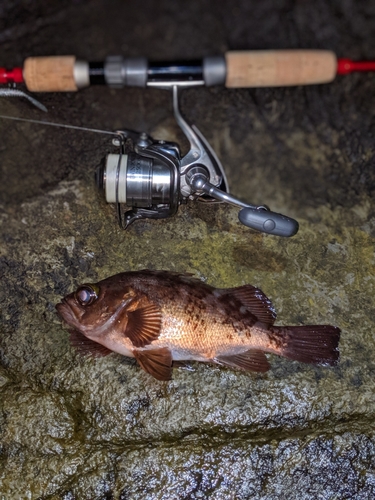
<point>250,361</point>
<point>86,346</point>
<point>156,362</point>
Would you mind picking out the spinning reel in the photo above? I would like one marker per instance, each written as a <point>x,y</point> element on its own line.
<point>153,179</point>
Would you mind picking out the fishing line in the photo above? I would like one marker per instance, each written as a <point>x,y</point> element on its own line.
<point>61,125</point>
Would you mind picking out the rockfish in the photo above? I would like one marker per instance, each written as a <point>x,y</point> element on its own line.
<point>159,317</point>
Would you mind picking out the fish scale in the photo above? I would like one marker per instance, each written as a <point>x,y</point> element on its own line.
<point>203,331</point>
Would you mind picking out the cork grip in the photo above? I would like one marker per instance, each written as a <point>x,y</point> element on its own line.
<point>50,74</point>
<point>279,68</point>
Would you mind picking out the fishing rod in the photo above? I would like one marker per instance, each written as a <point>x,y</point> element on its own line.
<point>151,177</point>
<point>235,69</point>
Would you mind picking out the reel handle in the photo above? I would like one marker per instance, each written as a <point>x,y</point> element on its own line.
<point>259,218</point>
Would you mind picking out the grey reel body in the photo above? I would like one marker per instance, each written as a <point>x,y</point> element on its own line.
<point>153,179</point>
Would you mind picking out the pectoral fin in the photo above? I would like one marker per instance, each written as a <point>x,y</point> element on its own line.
<point>156,362</point>
<point>250,361</point>
<point>144,324</point>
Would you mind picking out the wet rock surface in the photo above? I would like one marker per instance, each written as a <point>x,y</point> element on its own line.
<point>77,428</point>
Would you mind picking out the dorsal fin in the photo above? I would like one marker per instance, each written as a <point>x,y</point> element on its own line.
<point>156,362</point>
<point>144,324</point>
<point>87,346</point>
<point>255,301</point>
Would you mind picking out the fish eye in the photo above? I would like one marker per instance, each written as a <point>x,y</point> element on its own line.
<point>86,294</point>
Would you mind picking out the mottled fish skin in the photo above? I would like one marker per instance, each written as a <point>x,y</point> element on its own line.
<point>159,317</point>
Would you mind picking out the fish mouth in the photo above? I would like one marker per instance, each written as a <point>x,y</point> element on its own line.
<point>66,313</point>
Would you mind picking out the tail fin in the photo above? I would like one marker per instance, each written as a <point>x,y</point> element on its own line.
<point>317,344</point>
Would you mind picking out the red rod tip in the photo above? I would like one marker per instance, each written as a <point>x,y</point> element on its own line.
<point>11,75</point>
<point>345,66</point>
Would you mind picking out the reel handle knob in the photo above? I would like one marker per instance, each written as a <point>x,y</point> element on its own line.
<point>268,222</point>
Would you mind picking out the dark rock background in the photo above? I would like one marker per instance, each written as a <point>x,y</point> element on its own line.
<point>72,428</point>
